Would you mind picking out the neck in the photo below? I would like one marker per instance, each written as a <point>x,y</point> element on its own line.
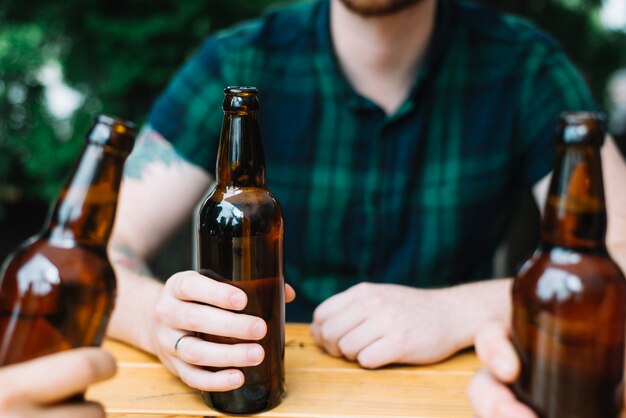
<point>85,211</point>
<point>381,54</point>
<point>240,160</point>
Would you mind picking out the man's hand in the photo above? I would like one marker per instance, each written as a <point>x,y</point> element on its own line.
<point>189,303</point>
<point>379,324</point>
<point>487,391</point>
<point>34,389</point>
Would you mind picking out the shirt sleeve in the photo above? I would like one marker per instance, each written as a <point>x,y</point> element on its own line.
<point>188,113</point>
<point>551,86</point>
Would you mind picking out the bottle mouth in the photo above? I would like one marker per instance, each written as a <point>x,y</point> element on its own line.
<point>240,99</point>
<point>581,127</point>
<point>117,135</point>
<point>119,125</point>
<point>242,91</point>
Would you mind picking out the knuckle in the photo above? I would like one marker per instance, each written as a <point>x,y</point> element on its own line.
<point>190,354</point>
<point>327,332</point>
<point>184,287</point>
<point>95,411</point>
<point>6,398</point>
<point>88,366</point>
<point>194,320</point>
<point>160,313</point>
<point>366,361</point>
<point>363,286</point>
<point>344,345</point>
<point>188,380</point>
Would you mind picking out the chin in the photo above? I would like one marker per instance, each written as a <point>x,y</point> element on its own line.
<point>373,8</point>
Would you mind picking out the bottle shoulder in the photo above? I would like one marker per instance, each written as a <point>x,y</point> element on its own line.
<point>39,260</point>
<point>231,207</point>
<point>564,276</point>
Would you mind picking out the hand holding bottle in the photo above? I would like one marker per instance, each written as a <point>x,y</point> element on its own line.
<point>191,303</point>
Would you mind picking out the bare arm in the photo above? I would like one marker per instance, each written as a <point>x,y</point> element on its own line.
<point>614,168</point>
<point>158,194</point>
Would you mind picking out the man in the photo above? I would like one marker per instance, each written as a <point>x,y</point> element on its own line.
<point>35,388</point>
<point>398,136</point>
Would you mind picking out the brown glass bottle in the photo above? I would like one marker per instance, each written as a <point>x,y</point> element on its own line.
<point>240,237</point>
<point>569,299</point>
<point>58,289</point>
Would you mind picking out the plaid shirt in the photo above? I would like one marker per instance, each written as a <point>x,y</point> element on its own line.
<point>420,197</point>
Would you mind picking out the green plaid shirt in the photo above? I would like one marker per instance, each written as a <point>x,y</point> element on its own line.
<point>420,197</point>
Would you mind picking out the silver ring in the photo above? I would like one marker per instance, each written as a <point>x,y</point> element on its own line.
<point>179,341</point>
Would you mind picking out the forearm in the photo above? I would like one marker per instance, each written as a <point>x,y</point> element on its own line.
<point>137,293</point>
<point>477,303</point>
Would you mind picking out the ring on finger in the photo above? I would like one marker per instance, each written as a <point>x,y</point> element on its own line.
<point>179,342</point>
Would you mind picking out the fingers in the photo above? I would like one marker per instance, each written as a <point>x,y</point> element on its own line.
<point>196,351</point>
<point>198,378</point>
<point>194,287</point>
<point>328,333</point>
<point>491,399</point>
<point>332,306</point>
<point>351,344</point>
<point>209,320</point>
<point>290,294</point>
<point>80,368</point>
<point>80,410</point>
<point>495,350</point>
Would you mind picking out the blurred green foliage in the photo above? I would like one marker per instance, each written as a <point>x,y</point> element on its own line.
<point>120,55</point>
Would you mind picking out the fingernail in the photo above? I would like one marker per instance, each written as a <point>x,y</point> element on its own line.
<point>255,354</point>
<point>235,379</point>
<point>258,330</point>
<point>238,300</point>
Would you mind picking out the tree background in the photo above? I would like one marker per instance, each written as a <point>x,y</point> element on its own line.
<point>120,54</point>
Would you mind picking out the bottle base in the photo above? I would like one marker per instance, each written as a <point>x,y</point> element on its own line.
<point>241,401</point>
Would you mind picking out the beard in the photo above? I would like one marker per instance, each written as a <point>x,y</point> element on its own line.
<point>372,8</point>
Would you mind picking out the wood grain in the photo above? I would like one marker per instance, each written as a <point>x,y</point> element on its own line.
<point>318,386</point>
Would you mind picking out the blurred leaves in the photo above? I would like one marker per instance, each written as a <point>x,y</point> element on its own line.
<point>120,55</point>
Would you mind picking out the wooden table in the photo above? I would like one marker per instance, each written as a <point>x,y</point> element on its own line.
<point>318,386</point>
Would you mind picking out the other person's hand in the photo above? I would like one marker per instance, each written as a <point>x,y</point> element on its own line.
<point>34,389</point>
<point>488,391</point>
<point>379,324</point>
<point>190,302</point>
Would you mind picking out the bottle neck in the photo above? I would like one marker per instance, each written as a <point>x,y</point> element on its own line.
<point>240,159</point>
<point>85,209</point>
<point>575,213</point>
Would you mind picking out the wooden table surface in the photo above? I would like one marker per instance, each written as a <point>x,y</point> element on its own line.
<point>318,386</point>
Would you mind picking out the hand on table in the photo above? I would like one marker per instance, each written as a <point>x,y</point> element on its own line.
<point>190,302</point>
<point>379,324</point>
<point>34,389</point>
<point>487,391</point>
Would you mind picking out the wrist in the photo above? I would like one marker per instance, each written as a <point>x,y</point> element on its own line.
<point>132,320</point>
<point>478,303</point>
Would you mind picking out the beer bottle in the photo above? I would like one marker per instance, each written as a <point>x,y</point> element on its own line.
<point>569,299</point>
<point>240,237</point>
<point>58,289</point>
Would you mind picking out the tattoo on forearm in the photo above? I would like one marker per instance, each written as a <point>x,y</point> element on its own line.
<point>125,257</point>
<point>150,148</point>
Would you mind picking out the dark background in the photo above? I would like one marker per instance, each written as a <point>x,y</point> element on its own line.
<point>120,54</point>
